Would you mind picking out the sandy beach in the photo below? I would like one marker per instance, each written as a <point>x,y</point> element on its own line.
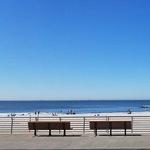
<point>46,114</point>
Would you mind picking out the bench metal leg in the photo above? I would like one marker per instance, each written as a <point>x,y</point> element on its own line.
<point>110,127</point>
<point>35,132</point>
<point>95,126</point>
<point>64,132</point>
<point>125,132</point>
<point>95,132</point>
<point>125,128</point>
<point>110,132</point>
<point>49,132</point>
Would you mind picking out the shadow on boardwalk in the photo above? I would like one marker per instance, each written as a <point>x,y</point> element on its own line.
<point>75,142</point>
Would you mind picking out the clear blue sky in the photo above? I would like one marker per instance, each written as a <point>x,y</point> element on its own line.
<point>74,49</point>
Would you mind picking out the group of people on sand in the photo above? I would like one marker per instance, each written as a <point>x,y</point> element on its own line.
<point>71,112</point>
<point>54,114</point>
<point>38,113</point>
<point>11,115</point>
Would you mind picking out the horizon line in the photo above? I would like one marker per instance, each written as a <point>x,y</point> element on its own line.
<point>72,99</point>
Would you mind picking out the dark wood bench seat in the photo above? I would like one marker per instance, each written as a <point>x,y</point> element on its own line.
<point>43,125</point>
<point>95,125</point>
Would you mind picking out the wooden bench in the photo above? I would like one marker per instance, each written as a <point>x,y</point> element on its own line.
<point>95,125</point>
<point>39,125</point>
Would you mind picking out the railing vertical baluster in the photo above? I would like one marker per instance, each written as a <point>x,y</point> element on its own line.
<point>132,124</point>
<point>30,118</point>
<point>60,121</point>
<point>11,130</point>
<point>107,119</point>
<point>83,125</point>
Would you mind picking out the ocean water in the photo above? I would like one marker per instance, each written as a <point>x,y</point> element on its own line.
<point>82,106</point>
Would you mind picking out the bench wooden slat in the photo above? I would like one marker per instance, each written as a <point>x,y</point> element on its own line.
<point>110,125</point>
<point>99,125</point>
<point>43,125</point>
<point>49,125</point>
<point>121,124</point>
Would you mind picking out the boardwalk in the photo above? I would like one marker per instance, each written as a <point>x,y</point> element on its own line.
<point>74,142</point>
<point>14,134</point>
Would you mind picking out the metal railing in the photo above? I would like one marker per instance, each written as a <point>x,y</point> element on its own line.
<point>80,124</point>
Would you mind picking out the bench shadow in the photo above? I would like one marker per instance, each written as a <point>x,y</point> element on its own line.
<point>119,135</point>
<point>58,136</point>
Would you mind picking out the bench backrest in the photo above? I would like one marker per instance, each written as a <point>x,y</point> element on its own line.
<point>49,125</point>
<point>110,124</point>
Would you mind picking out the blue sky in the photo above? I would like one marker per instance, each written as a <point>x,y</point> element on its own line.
<point>74,49</point>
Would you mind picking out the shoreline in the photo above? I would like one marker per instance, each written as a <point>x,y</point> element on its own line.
<point>46,114</point>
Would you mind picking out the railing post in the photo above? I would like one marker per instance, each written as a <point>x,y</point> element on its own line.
<point>107,119</point>
<point>60,121</point>
<point>83,125</point>
<point>132,124</point>
<point>30,118</point>
<point>11,129</point>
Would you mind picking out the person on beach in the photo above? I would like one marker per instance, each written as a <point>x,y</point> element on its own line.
<point>129,111</point>
<point>36,116</point>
